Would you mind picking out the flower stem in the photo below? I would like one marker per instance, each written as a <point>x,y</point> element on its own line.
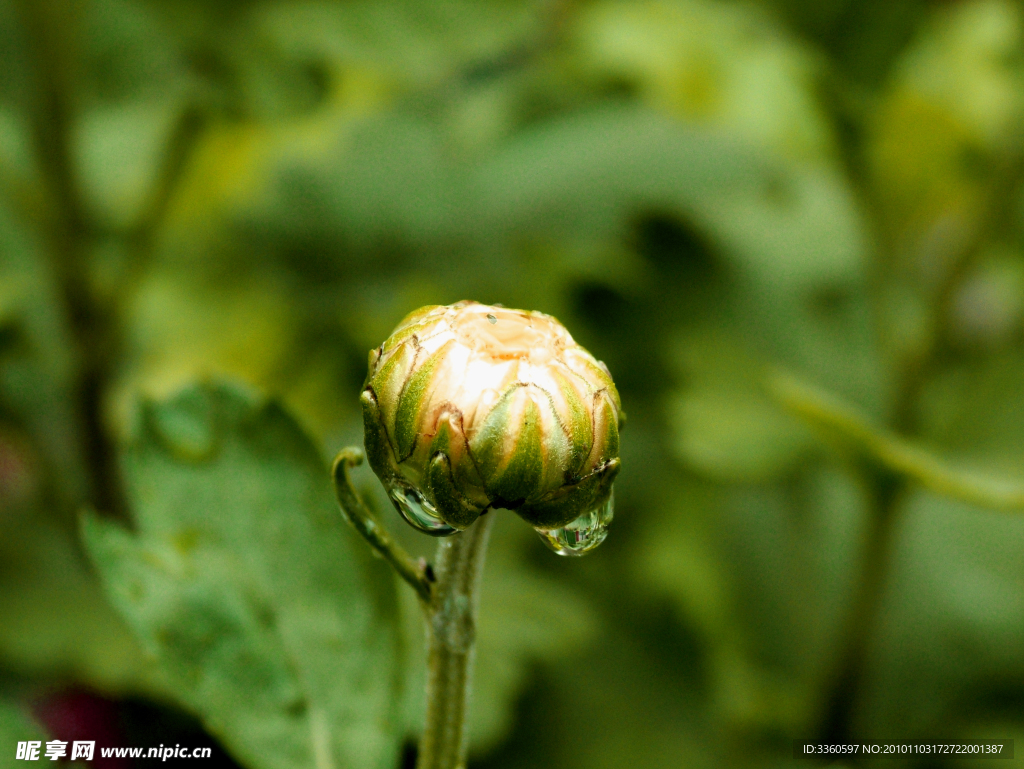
<point>449,601</point>
<point>451,643</point>
<point>888,464</point>
<point>371,530</point>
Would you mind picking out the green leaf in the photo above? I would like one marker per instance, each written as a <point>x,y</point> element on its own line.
<point>119,151</point>
<point>416,43</point>
<point>796,229</point>
<point>723,423</point>
<point>593,169</point>
<point>265,615</point>
<point>57,621</point>
<point>719,64</point>
<point>794,224</point>
<point>15,727</point>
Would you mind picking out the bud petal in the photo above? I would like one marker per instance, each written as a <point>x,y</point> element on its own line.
<point>508,449</point>
<point>568,503</point>
<point>386,385</point>
<point>413,401</point>
<point>469,407</point>
<point>452,505</point>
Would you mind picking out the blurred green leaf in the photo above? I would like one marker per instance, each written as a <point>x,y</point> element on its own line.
<point>417,43</point>
<point>950,646</point>
<point>592,169</point>
<point>735,435</point>
<point>952,108</point>
<point>720,65</point>
<point>788,226</point>
<point>261,610</point>
<point>798,229</point>
<point>282,59</point>
<point>15,727</point>
<point>723,422</point>
<point>57,621</point>
<point>761,573</point>
<point>120,150</point>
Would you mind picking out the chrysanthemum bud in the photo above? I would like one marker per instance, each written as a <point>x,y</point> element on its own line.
<point>469,407</point>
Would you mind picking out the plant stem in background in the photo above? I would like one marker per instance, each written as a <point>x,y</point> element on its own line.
<point>845,685</point>
<point>891,461</point>
<point>887,464</point>
<point>51,28</point>
<point>51,33</point>
<point>886,453</point>
<point>451,643</point>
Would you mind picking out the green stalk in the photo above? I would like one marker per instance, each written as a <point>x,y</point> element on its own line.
<point>370,529</point>
<point>451,643</point>
<point>52,31</point>
<point>449,598</point>
<point>845,684</point>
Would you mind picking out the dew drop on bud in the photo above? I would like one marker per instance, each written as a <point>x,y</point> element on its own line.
<point>417,511</point>
<point>583,534</point>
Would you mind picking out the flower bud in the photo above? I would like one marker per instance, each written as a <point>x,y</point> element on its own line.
<point>469,407</point>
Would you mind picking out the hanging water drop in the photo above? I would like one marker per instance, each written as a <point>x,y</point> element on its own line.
<point>417,510</point>
<point>583,534</point>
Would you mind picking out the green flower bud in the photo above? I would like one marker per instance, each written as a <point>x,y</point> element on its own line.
<point>469,407</point>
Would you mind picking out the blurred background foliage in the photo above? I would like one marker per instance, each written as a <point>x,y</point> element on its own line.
<point>259,190</point>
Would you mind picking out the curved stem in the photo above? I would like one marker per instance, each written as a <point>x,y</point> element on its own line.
<point>892,453</point>
<point>451,634</point>
<point>449,602</point>
<point>372,531</point>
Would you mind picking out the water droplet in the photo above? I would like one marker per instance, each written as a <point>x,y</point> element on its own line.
<point>417,510</point>
<point>491,319</point>
<point>584,534</point>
